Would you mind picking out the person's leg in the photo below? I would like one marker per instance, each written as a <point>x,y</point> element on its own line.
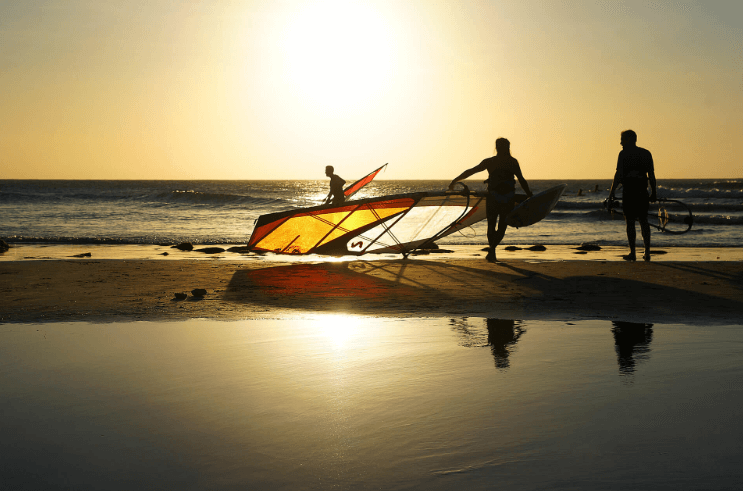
<point>631,238</point>
<point>500,231</point>
<point>645,231</point>
<point>495,235</point>
<point>492,218</point>
<point>497,226</point>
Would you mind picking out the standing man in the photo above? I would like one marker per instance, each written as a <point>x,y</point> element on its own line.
<point>501,190</point>
<point>336,195</point>
<point>634,171</point>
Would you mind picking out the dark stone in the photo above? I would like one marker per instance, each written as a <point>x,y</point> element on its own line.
<point>3,246</point>
<point>183,246</point>
<point>512,248</point>
<point>84,254</point>
<point>537,247</point>
<point>198,292</point>
<point>164,254</point>
<point>239,249</point>
<point>210,250</point>
<point>441,251</point>
<point>181,296</point>
<point>588,247</point>
<point>429,247</point>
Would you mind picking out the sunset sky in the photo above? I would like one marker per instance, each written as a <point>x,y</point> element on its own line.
<point>278,89</point>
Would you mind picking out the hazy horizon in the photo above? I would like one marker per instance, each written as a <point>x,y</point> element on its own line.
<point>277,90</point>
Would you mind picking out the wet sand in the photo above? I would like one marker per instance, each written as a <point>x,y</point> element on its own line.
<point>345,402</point>
<point>120,283</point>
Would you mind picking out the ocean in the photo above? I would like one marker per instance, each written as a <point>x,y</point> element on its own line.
<point>224,212</point>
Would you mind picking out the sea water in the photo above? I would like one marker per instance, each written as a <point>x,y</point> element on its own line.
<point>344,402</point>
<point>224,212</point>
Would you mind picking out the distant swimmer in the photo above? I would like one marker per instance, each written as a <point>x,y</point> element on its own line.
<point>634,171</point>
<point>336,187</point>
<point>501,190</point>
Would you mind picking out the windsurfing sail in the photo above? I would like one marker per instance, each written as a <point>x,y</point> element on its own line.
<point>355,187</point>
<point>672,216</point>
<point>363,226</point>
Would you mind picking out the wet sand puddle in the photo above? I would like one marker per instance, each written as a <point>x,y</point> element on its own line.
<point>357,403</point>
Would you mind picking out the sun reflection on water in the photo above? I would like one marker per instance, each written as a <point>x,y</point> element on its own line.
<point>340,330</point>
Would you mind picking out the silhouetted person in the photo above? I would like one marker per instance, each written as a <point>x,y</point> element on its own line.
<point>501,190</point>
<point>336,195</point>
<point>634,171</point>
<point>631,338</point>
<point>502,336</point>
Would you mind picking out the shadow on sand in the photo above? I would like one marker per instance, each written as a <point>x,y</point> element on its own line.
<point>425,288</point>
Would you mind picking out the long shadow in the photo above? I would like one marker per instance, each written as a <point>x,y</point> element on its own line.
<point>431,287</point>
<point>734,278</point>
<point>323,287</point>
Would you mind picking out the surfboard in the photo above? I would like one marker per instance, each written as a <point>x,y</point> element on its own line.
<point>537,207</point>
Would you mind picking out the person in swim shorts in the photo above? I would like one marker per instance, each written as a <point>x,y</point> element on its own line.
<point>501,190</point>
<point>634,171</point>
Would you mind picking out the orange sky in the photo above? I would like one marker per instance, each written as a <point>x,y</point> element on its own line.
<point>278,90</point>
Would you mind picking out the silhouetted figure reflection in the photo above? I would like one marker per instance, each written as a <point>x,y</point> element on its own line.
<point>632,343</point>
<point>502,336</point>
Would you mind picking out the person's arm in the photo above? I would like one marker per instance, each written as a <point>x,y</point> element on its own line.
<point>651,179</point>
<point>614,184</point>
<point>617,178</point>
<point>464,175</point>
<point>522,181</point>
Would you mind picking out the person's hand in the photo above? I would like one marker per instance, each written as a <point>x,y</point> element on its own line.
<point>653,197</point>
<point>451,186</point>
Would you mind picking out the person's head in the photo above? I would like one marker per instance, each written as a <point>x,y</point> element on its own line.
<point>503,146</point>
<point>629,138</point>
<point>329,170</point>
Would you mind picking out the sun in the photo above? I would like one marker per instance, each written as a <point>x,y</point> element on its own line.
<point>337,54</point>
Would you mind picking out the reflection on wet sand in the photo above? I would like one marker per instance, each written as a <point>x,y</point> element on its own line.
<point>500,334</point>
<point>632,343</point>
<point>632,340</point>
<point>502,337</point>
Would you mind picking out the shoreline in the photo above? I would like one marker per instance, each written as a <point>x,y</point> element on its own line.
<point>703,285</point>
<point>560,252</point>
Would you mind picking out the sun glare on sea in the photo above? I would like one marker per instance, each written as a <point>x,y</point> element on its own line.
<point>338,54</point>
<point>339,330</point>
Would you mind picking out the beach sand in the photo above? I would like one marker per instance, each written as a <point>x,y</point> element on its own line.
<point>119,283</point>
<point>547,370</point>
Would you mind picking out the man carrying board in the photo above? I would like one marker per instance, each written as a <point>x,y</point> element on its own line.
<point>501,190</point>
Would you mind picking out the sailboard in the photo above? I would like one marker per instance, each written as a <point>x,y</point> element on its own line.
<point>398,223</point>
<point>672,216</point>
<point>534,209</point>
<point>366,225</point>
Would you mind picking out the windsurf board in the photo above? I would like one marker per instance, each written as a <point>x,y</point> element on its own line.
<point>537,207</point>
